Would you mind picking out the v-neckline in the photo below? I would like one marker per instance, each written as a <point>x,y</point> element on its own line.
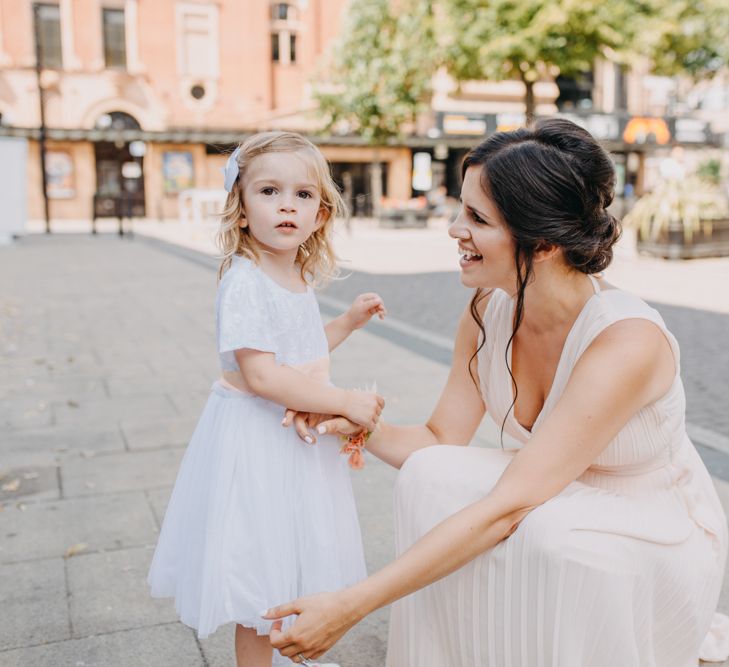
<point>512,402</point>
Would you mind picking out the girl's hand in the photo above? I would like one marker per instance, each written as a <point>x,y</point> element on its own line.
<point>364,408</point>
<point>363,308</point>
<point>322,620</point>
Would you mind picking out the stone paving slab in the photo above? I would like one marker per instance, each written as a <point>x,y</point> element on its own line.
<point>48,529</point>
<point>34,608</point>
<point>108,592</point>
<point>156,433</point>
<point>156,646</point>
<point>127,471</point>
<point>128,447</point>
<point>52,445</point>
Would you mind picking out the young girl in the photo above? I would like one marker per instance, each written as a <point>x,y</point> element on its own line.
<point>256,516</point>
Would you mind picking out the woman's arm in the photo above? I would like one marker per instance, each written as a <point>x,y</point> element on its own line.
<point>627,367</point>
<point>457,414</point>
<point>287,386</point>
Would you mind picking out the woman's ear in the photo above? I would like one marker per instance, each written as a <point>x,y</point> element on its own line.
<point>545,251</point>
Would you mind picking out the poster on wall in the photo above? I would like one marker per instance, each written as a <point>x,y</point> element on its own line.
<point>177,171</point>
<point>59,175</point>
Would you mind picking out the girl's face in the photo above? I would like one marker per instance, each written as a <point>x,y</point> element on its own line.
<point>281,201</point>
<point>484,241</point>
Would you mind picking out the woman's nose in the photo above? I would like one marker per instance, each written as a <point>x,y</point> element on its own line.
<point>457,229</point>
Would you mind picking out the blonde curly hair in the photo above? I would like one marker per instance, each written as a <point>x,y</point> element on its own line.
<point>316,259</point>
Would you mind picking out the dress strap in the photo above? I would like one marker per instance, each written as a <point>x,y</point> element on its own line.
<point>595,284</point>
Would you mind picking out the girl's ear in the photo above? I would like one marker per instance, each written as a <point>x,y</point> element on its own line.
<point>242,223</point>
<point>321,218</point>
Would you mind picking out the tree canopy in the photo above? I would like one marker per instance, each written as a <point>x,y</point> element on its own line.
<point>388,52</point>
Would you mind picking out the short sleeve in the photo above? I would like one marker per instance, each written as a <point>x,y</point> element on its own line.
<point>243,313</point>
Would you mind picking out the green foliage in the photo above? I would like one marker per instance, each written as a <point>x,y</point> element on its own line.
<point>384,62</point>
<point>502,39</point>
<point>688,37</point>
<point>710,171</point>
<point>382,68</point>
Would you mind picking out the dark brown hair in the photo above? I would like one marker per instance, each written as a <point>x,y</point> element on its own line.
<point>552,185</point>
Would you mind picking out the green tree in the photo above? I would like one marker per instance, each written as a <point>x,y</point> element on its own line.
<point>528,39</point>
<point>379,77</point>
<point>688,37</point>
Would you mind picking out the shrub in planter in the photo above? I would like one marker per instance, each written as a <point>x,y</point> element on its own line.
<point>682,219</point>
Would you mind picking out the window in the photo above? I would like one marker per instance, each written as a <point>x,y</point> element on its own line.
<point>283,11</point>
<point>198,40</point>
<point>292,48</point>
<point>115,51</point>
<point>48,34</point>
<point>275,54</point>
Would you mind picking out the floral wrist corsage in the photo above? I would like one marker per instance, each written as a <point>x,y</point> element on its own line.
<point>354,446</point>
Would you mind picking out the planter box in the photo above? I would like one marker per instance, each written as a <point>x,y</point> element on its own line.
<point>404,218</point>
<point>710,240</point>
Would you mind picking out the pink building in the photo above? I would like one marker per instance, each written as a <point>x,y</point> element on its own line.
<point>141,96</point>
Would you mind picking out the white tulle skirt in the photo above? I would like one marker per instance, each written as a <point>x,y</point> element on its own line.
<point>256,518</point>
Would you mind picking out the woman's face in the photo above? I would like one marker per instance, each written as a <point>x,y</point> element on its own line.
<point>484,241</point>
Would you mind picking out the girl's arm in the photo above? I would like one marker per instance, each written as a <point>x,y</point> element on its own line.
<point>358,314</point>
<point>287,386</point>
<point>457,414</point>
<point>627,367</point>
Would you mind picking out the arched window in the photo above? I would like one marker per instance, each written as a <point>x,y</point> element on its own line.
<point>117,120</point>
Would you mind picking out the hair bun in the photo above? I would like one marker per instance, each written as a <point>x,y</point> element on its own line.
<point>595,253</point>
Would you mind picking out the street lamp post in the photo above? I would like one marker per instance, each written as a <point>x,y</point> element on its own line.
<point>41,99</point>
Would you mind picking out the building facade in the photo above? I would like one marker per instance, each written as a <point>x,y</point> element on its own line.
<point>143,98</point>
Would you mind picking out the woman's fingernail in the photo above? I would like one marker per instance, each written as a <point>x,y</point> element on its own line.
<point>309,439</point>
<point>321,429</point>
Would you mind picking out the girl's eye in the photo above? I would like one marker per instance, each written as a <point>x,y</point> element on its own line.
<point>267,191</point>
<point>305,194</point>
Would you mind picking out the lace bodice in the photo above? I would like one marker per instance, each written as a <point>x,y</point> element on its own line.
<point>253,311</point>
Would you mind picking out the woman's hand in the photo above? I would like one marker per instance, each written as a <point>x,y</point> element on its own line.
<point>322,620</point>
<point>306,422</point>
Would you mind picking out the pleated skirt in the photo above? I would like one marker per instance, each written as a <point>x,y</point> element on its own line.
<point>256,518</point>
<point>589,579</point>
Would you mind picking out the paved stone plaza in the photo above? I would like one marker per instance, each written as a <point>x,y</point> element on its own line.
<point>106,357</point>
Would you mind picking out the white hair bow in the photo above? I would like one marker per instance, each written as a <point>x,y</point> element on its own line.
<point>231,170</point>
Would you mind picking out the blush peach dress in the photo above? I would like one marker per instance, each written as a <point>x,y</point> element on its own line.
<point>621,569</point>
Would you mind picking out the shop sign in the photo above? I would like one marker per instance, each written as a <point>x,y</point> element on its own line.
<point>691,131</point>
<point>506,122</point>
<point>647,130</point>
<point>60,175</point>
<point>604,127</point>
<point>463,123</point>
<point>177,171</point>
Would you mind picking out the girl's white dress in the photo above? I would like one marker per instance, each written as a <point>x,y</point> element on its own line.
<point>621,569</point>
<point>257,517</point>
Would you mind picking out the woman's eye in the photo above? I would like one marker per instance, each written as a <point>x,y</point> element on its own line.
<point>477,218</point>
